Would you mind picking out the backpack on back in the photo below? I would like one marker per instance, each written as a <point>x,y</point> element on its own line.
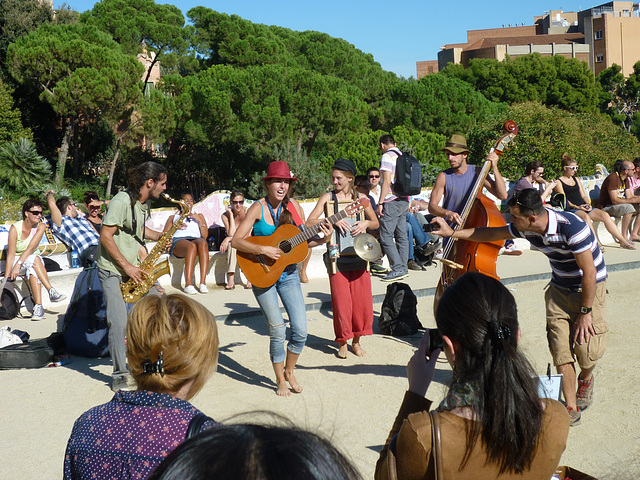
<point>408,179</point>
<point>399,314</point>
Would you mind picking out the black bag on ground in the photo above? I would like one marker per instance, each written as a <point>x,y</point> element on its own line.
<point>10,307</point>
<point>85,328</point>
<point>408,179</point>
<point>399,314</point>
<point>215,237</point>
<point>34,354</point>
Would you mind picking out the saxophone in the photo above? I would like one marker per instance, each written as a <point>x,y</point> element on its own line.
<point>132,291</point>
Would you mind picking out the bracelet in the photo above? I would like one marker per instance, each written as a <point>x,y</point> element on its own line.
<point>19,262</point>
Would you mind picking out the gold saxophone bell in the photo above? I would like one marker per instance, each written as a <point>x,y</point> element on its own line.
<point>132,291</point>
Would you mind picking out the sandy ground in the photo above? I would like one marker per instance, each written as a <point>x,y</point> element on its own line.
<point>352,401</point>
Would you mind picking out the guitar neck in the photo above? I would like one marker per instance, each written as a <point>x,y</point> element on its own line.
<point>312,231</point>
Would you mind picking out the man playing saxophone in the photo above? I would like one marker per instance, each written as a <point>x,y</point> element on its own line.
<point>122,235</point>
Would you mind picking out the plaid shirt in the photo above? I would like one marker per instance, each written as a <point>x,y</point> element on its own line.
<point>77,233</point>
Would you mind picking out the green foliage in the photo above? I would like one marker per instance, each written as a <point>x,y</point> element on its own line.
<point>552,81</point>
<point>10,122</point>
<point>544,134</point>
<point>17,18</point>
<point>10,209</point>
<point>21,168</point>
<point>620,97</point>
<point>312,182</point>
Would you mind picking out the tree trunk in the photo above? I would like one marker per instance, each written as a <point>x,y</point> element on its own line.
<point>64,150</point>
<point>113,169</point>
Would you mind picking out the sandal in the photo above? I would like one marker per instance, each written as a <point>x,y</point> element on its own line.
<point>227,287</point>
<point>160,289</point>
<point>601,247</point>
<point>629,246</point>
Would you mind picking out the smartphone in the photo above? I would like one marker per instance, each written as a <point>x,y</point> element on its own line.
<point>430,227</point>
<point>435,340</point>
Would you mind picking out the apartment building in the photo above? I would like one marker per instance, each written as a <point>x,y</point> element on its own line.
<point>600,36</point>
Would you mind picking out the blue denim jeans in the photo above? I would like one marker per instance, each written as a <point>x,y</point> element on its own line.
<point>290,292</point>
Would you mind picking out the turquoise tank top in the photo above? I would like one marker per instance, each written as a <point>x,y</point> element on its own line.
<point>262,228</point>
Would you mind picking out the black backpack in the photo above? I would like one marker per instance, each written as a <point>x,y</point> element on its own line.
<point>10,307</point>
<point>408,176</point>
<point>399,314</point>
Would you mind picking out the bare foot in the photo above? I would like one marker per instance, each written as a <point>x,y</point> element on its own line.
<point>282,390</point>
<point>358,350</point>
<point>295,386</point>
<point>229,286</point>
<point>248,285</point>
<point>342,351</point>
<point>634,238</point>
<point>304,278</point>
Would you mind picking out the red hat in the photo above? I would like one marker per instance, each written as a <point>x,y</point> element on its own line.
<point>279,169</point>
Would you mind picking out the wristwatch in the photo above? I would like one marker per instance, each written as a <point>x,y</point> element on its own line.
<point>585,310</point>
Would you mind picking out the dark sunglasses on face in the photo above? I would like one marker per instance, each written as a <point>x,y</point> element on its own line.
<point>374,176</point>
<point>35,212</point>
<point>237,203</point>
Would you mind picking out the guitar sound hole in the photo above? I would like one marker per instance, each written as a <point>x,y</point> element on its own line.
<point>285,246</point>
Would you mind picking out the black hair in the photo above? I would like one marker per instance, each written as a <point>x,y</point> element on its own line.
<point>90,195</point>
<point>534,165</point>
<point>29,204</point>
<point>255,452</point>
<point>63,203</point>
<point>139,174</point>
<point>372,169</point>
<point>636,162</point>
<point>528,201</point>
<point>186,192</point>
<point>387,139</point>
<point>618,167</point>
<point>480,314</point>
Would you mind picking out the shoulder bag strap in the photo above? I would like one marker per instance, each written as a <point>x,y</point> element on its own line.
<point>436,444</point>
<point>195,425</point>
<point>392,469</point>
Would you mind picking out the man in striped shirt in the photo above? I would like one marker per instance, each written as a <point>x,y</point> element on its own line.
<point>575,298</point>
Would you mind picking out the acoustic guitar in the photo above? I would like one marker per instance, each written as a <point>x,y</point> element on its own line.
<point>263,271</point>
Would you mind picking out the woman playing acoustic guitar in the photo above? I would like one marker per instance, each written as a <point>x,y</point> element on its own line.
<point>263,217</point>
<point>349,278</point>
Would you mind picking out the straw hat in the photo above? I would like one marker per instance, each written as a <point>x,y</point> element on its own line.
<point>456,144</point>
<point>279,169</point>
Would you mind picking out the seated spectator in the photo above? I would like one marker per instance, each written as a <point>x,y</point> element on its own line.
<point>633,189</point>
<point>578,202</point>
<point>533,173</point>
<point>94,204</point>
<point>23,255</point>
<point>492,423</point>
<point>418,238</point>
<point>615,198</point>
<point>189,242</point>
<point>172,350</point>
<point>256,452</point>
<point>231,218</point>
<point>75,231</point>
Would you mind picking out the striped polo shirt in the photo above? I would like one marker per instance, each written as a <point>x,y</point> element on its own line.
<point>566,236</point>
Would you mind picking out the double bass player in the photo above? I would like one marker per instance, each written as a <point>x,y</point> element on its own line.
<point>456,183</point>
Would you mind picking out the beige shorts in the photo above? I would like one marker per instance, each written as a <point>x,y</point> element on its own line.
<point>563,307</point>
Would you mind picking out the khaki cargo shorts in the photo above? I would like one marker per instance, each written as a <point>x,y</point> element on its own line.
<point>563,307</point>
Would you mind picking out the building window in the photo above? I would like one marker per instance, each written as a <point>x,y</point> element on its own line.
<point>599,58</point>
<point>598,35</point>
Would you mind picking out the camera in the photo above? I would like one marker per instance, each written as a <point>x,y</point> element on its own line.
<point>435,340</point>
<point>429,227</point>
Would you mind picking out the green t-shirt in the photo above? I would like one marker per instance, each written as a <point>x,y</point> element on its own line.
<point>119,215</point>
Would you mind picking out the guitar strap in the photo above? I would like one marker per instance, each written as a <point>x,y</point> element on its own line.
<point>294,214</point>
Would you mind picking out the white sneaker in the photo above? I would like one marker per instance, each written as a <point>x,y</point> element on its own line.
<point>190,290</point>
<point>38,312</point>
<point>203,288</point>
<point>510,250</point>
<point>56,297</point>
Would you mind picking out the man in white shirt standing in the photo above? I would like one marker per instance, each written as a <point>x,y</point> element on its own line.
<point>392,210</point>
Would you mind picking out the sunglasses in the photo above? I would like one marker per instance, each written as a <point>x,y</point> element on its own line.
<point>35,212</point>
<point>574,168</point>
<point>238,202</point>
<point>374,176</point>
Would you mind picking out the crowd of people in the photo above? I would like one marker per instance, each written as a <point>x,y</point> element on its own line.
<point>164,347</point>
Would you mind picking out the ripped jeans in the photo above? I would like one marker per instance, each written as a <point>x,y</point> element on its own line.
<point>290,292</point>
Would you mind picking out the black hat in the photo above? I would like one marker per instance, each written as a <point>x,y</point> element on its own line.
<point>345,166</point>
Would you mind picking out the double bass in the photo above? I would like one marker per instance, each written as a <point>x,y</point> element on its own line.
<point>461,256</point>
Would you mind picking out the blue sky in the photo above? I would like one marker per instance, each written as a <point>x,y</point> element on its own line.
<point>397,34</point>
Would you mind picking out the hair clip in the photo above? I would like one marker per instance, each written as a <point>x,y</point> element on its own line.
<point>154,367</point>
<point>503,331</point>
